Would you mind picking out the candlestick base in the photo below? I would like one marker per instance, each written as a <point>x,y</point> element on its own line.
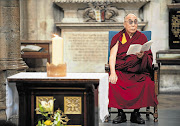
<point>56,71</point>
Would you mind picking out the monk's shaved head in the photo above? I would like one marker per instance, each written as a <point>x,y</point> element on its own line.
<point>129,15</point>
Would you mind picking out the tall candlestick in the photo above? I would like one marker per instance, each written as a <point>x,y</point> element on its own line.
<point>57,50</point>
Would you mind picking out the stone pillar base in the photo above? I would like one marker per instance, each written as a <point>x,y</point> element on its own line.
<point>12,64</point>
<point>14,119</point>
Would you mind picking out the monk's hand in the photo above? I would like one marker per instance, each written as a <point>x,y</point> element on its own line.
<point>140,54</point>
<point>113,78</point>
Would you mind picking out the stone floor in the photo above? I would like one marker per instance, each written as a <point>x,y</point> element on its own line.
<point>168,113</point>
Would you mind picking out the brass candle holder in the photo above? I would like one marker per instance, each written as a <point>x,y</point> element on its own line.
<point>56,70</point>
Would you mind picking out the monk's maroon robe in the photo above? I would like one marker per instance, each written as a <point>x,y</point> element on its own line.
<point>134,88</point>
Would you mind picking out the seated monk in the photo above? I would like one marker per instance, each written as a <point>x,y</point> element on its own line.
<point>130,84</point>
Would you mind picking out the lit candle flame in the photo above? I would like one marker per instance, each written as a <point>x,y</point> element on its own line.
<point>55,35</point>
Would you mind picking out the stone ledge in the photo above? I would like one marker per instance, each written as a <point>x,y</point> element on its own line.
<point>96,25</point>
<point>175,5</point>
<point>113,1</point>
<point>2,107</point>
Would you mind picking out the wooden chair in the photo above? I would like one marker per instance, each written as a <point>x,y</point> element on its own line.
<point>154,74</point>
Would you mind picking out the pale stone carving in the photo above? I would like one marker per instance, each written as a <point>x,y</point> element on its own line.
<point>107,13</point>
<point>85,51</point>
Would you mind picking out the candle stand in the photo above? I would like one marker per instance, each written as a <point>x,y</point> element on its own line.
<point>56,70</point>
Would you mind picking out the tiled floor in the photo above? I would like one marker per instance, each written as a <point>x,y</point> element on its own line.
<point>168,113</point>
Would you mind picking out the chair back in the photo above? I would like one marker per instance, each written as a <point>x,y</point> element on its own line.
<point>112,33</point>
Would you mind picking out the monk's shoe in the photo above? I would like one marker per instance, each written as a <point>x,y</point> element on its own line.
<point>136,118</point>
<point>120,118</point>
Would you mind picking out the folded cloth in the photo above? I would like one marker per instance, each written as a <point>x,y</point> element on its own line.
<point>12,100</point>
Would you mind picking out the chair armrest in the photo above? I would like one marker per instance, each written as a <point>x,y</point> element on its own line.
<point>155,66</point>
<point>107,68</point>
<point>154,71</point>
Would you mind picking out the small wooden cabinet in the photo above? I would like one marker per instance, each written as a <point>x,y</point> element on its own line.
<point>76,90</point>
<point>45,54</point>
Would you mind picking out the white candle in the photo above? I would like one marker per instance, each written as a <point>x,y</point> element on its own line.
<point>57,50</point>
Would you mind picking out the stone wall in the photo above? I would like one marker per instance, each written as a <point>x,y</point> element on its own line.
<point>157,15</point>
<point>37,19</point>
<point>37,23</point>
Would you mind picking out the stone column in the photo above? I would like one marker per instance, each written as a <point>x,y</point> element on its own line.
<point>10,57</point>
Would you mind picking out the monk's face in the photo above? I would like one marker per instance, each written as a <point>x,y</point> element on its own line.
<point>130,23</point>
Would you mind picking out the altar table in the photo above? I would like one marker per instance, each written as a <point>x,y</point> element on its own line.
<point>31,85</point>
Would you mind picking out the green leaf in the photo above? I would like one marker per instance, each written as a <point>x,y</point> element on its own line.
<point>40,105</point>
<point>42,121</point>
<point>41,108</point>
<point>45,114</point>
<point>39,123</point>
<point>58,124</point>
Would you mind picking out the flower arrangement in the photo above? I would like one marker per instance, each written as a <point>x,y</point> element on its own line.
<point>58,118</point>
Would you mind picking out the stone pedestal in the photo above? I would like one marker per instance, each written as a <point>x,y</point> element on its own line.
<point>10,60</point>
<point>169,79</point>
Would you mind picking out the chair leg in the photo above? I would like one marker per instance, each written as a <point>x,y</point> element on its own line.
<point>155,115</point>
<point>107,118</point>
<point>147,112</point>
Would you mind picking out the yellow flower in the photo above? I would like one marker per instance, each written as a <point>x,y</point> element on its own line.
<point>48,122</point>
